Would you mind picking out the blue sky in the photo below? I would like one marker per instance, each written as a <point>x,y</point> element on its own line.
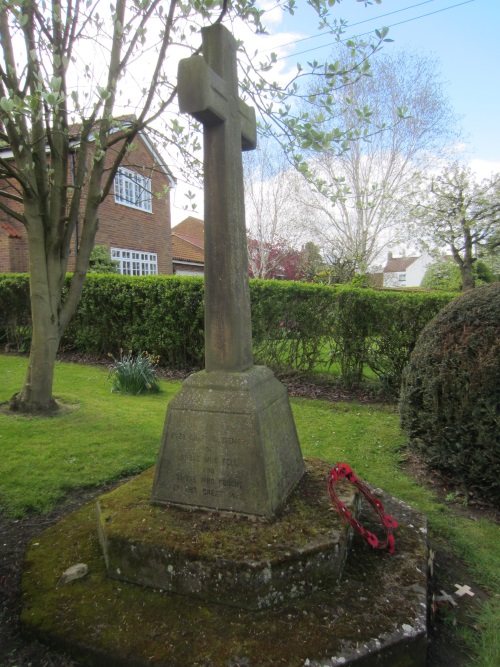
<point>463,35</point>
<point>466,41</point>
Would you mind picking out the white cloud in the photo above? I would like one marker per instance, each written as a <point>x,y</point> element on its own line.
<point>484,168</point>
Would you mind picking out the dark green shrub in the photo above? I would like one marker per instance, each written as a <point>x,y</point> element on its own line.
<point>15,312</point>
<point>450,404</point>
<point>162,314</point>
<point>399,318</point>
<point>353,323</point>
<point>290,323</point>
<point>100,261</point>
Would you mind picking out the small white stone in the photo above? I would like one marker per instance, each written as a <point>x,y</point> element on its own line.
<point>74,572</point>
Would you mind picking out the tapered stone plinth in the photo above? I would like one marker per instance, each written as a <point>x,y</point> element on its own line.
<point>229,444</point>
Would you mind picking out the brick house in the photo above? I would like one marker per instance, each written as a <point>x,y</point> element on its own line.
<point>134,219</point>
<point>188,247</point>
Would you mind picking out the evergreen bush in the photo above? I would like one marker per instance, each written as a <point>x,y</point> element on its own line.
<point>450,401</point>
<point>298,328</point>
<point>15,312</point>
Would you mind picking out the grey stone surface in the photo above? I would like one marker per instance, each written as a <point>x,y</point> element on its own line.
<point>251,565</point>
<point>233,418</point>
<point>374,617</point>
<point>208,90</point>
<point>229,443</point>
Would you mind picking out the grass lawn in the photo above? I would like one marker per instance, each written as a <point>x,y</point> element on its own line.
<point>103,436</point>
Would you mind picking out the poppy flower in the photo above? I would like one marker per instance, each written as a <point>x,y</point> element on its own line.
<point>389,521</point>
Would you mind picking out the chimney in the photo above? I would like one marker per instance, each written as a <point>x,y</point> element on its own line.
<point>389,256</point>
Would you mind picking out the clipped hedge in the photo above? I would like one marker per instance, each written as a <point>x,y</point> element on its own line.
<point>297,327</point>
<point>450,403</point>
<point>160,314</point>
<point>15,312</point>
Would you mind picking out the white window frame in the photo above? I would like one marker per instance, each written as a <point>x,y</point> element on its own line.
<point>135,262</point>
<point>133,189</point>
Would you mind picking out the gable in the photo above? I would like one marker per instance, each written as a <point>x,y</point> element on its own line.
<point>398,264</point>
<point>192,230</point>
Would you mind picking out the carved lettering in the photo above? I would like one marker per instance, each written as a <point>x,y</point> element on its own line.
<point>230,483</point>
<point>183,477</point>
<point>212,492</point>
<point>230,463</point>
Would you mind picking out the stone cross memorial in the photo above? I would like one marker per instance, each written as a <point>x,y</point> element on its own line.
<point>229,441</point>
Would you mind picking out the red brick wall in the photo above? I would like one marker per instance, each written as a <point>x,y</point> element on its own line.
<point>13,254</point>
<point>13,251</point>
<point>120,226</point>
<point>4,253</point>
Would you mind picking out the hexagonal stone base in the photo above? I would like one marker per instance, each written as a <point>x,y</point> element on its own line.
<point>227,559</point>
<point>375,616</point>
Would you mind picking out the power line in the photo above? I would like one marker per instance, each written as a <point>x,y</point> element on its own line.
<point>415,18</point>
<point>352,25</point>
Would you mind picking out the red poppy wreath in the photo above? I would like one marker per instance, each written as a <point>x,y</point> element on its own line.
<point>343,471</point>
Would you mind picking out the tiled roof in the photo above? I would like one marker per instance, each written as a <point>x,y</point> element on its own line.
<point>186,251</point>
<point>188,240</point>
<point>192,229</point>
<point>397,264</point>
<point>11,231</point>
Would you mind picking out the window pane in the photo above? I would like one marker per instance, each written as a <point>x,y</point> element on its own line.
<point>132,189</point>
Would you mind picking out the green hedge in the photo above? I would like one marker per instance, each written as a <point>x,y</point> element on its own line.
<point>15,312</point>
<point>297,327</point>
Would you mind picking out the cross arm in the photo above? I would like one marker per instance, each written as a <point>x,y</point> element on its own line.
<point>203,94</point>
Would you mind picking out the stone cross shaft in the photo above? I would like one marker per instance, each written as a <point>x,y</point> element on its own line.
<point>208,90</point>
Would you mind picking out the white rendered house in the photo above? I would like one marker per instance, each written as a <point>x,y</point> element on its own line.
<point>406,271</point>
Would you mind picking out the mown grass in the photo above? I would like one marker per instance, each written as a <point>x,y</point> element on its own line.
<point>104,436</point>
<point>101,437</point>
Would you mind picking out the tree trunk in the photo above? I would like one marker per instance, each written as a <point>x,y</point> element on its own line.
<point>36,394</point>
<point>46,281</point>
<point>468,281</point>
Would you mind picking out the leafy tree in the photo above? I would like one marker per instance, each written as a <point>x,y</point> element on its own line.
<point>101,262</point>
<point>397,120</point>
<point>337,269</point>
<point>444,275</point>
<point>279,261</point>
<point>272,212</point>
<point>454,210</point>
<point>47,85</point>
<point>312,261</point>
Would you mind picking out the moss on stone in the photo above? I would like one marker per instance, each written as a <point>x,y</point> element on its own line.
<point>104,621</point>
<point>305,517</point>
